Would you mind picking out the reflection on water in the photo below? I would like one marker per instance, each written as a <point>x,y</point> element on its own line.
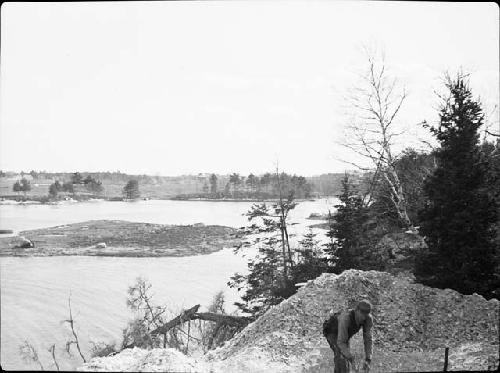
<point>34,291</point>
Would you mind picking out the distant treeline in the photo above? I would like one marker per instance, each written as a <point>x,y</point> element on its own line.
<point>212,186</point>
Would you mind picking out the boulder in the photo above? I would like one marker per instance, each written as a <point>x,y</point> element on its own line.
<point>25,243</point>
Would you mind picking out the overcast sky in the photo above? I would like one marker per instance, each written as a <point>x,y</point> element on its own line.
<point>174,88</point>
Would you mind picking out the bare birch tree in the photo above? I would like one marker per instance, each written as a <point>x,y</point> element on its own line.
<point>376,103</point>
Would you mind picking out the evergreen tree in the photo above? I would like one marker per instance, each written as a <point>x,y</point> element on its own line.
<point>310,259</point>
<point>53,190</point>
<point>251,182</point>
<point>25,186</point>
<point>347,230</point>
<point>17,187</point>
<point>235,182</point>
<point>458,221</point>
<point>131,189</point>
<point>76,178</point>
<point>213,184</point>
<point>269,279</point>
<point>68,187</point>
<point>93,185</point>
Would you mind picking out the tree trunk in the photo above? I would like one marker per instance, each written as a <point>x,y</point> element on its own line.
<point>184,316</point>
<point>192,314</point>
<point>223,319</point>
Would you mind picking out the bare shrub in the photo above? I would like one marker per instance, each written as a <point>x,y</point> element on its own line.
<point>213,334</point>
<point>29,354</point>
<point>102,349</point>
<point>150,316</point>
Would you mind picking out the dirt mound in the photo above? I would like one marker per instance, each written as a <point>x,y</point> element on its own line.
<point>139,360</point>
<point>413,325</point>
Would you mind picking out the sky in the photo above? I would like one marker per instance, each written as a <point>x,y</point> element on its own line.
<point>172,88</point>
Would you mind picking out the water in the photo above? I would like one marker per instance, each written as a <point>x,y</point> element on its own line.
<point>34,291</point>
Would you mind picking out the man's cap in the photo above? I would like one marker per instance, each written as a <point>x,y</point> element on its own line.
<point>365,306</point>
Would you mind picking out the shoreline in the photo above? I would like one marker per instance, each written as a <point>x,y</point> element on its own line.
<point>4,200</point>
<point>118,238</point>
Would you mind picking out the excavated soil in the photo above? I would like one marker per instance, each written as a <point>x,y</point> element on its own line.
<point>412,326</point>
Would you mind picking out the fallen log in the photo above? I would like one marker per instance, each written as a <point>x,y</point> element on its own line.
<point>222,319</point>
<point>192,314</point>
<point>184,316</point>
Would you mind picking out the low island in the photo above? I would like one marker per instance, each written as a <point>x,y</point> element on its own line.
<point>121,239</point>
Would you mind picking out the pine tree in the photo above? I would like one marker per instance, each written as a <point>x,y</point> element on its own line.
<point>269,279</point>
<point>17,187</point>
<point>213,184</point>
<point>310,261</point>
<point>347,229</point>
<point>25,186</point>
<point>458,221</point>
<point>131,189</point>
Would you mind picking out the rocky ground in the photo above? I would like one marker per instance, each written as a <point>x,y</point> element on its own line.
<point>119,238</point>
<point>413,325</point>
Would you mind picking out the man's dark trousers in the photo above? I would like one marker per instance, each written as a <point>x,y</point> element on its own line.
<point>341,363</point>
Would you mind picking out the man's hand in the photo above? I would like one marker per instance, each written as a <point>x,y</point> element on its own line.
<point>366,366</point>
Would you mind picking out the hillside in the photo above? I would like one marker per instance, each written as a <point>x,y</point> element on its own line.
<point>413,325</point>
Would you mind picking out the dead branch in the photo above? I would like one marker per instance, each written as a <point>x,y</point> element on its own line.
<point>492,134</point>
<point>29,353</point>
<point>75,341</point>
<point>184,316</point>
<point>192,314</point>
<point>52,350</point>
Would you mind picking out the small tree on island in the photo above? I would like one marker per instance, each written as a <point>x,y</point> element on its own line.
<point>213,184</point>
<point>458,220</point>
<point>54,189</point>
<point>93,185</point>
<point>131,189</point>
<point>23,185</point>
<point>68,187</point>
<point>17,187</point>
<point>77,178</point>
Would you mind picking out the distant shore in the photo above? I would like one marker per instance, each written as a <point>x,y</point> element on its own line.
<point>120,239</point>
<point>36,200</point>
<point>238,199</point>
